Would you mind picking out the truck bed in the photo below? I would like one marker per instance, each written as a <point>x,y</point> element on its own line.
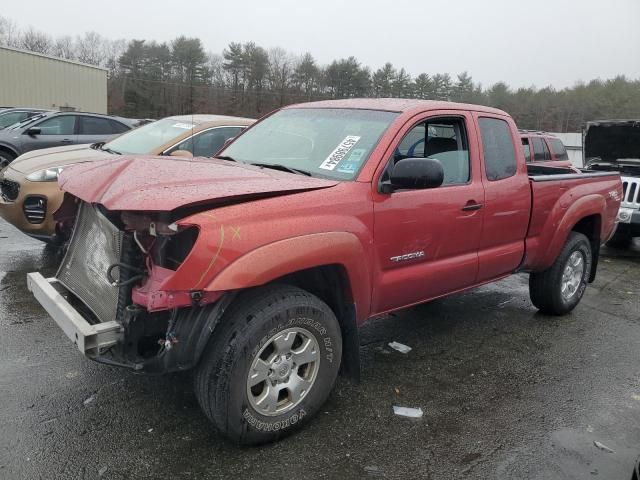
<point>558,197</point>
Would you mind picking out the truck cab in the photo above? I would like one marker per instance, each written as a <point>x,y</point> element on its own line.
<point>543,148</point>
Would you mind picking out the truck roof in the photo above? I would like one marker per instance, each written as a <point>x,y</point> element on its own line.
<point>401,105</point>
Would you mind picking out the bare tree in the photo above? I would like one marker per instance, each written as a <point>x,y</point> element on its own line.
<point>36,41</point>
<point>90,48</point>
<point>64,48</point>
<point>9,33</point>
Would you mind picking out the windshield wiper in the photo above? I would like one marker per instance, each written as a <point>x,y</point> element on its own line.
<point>109,150</point>
<point>225,157</point>
<point>284,168</point>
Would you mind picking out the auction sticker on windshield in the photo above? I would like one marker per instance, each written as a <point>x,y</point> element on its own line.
<point>352,162</point>
<point>339,153</point>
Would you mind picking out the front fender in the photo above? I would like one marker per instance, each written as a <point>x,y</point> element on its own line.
<point>10,148</point>
<point>274,260</point>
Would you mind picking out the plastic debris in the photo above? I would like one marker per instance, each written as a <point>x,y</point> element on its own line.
<point>150,430</point>
<point>407,411</point>
<point>400,347</point>
<point>603,447</point>
<point>89,400</point>
<point>102,471</point>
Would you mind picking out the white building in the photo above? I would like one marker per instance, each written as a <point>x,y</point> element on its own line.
<point>30,79</point>
<point>573,144</point>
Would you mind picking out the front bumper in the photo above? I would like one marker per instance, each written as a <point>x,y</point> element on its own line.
<point>90,339</point>
<point>629,220</point>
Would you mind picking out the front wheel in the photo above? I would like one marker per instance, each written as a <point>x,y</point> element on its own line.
<point>6,158</point>
<point>558,290</point>
<point>271,365</point>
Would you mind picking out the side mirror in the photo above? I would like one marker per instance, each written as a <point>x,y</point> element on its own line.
<point>415,173</point>
<point>33,131</point>
<point>181,153</point>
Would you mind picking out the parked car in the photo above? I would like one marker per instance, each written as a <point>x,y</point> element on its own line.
<point>29,192</point>
<point>614,146</point>
<point>10,116</point>
<point>544,148</point>
<point>256,268</point>
<point>55,129</point>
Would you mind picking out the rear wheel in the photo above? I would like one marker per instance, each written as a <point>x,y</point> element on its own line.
<point>271,365</point>
<point>558,289</point>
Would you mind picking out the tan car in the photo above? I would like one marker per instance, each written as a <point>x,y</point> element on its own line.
<point>29,193</point>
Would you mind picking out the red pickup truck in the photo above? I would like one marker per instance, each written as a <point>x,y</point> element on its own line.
<point>256,267</point>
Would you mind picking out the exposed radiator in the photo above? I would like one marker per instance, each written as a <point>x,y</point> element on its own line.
<point>95,245</point>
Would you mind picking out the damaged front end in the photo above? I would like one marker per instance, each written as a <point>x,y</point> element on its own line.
<point>109,293</point>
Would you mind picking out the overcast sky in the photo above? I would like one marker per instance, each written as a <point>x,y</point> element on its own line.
<point>541,42</point>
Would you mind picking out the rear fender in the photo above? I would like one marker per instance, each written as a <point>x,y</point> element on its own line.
<point>558,233</point>
<point>277,259</point>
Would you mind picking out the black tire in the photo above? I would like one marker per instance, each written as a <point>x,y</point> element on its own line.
<point>247,327</point>
<point>621,238</point>
<point>545,288</point>
<point>6,157</point>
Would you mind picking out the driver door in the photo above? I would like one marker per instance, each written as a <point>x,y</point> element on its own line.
<point>54,132</point>
<point>426,241</point>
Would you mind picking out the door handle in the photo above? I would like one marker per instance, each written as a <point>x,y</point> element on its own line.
<point>471,205</point>
<point>67,140</point>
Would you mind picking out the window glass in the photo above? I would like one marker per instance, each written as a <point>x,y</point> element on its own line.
<point>443,139</point>
<point>151,136</point>
<point>547,154</point>
<point>527,149</point>
<point>325,142</point>
<point>11,117</point>
<point>209,142</point>
<point>538,149</point>
<point>61,125</point>
<point>499,152</point>
<point>558,149</point>
<point>118,127</point>
<point>95,126</point>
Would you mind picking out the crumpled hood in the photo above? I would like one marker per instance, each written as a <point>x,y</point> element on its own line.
<point>166,183</point>
<point>55,157</point>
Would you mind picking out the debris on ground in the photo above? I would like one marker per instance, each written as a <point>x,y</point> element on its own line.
<point>102,471</point>
<point>397,390</point>
<point>400,347</point>
<point>150,430</point>
<point>602,447</point>
<point>89,400</point>
<point>407,411</point>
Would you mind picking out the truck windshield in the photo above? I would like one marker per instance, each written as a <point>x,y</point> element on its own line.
<point>149,137</point>
<point>329,143</point>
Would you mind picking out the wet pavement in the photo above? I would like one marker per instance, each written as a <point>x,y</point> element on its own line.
<point>506,393</point>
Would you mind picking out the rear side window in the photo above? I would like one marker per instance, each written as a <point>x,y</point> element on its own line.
<point>527,149</point>
<point>95,126</point>
<point>540,150</point>
<point>118,127</point>
<point>499,152</point>
<point>558,149</point>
